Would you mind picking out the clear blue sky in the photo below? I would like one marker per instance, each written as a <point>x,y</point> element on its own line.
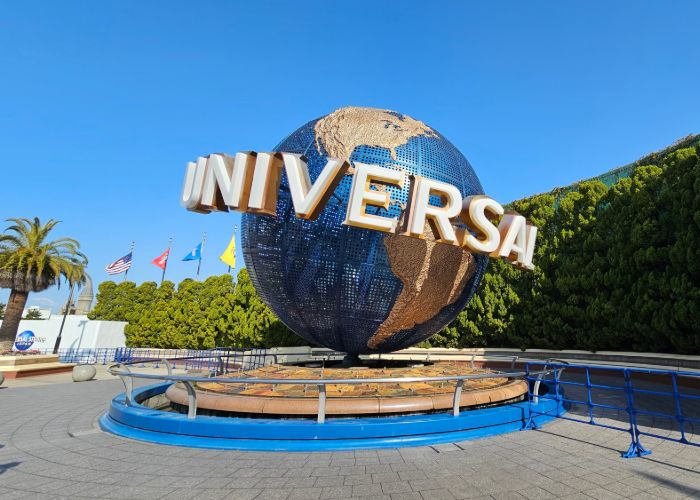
<point>103,103</point>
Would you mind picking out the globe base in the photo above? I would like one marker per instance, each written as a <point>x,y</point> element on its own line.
<point>295,400</point>
<point>351,360</point>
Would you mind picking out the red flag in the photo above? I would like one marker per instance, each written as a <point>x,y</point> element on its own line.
<point>162,260</point>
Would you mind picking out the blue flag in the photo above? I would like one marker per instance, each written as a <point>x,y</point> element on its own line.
<point>195,254</point>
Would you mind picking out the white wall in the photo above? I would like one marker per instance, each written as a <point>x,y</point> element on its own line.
<point>78,333</point>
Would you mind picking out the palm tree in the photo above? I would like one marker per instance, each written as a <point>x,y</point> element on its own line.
<point>30,263</point>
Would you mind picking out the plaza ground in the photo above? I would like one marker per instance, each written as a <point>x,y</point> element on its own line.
<point>51,447</point>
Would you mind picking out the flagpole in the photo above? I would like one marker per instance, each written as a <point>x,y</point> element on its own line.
<point>162,276</point>
<point>201,253</point>
<point>131,251</point>
<point>235,229</point>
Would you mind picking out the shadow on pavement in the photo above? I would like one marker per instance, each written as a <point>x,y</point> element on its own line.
<point>4,467</point>
<point>670,483</point>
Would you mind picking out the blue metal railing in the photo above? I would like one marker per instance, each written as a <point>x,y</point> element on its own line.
<point>97,356</point>
<point>573,386</point>
<point>191,358</point>
<point>594,398</point>
<point>187,359</point>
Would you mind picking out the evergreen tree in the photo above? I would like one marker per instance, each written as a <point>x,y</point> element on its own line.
<point>33,313</point>
<point>198,315</point>
<point>615,268</point>
<point>255,323</point>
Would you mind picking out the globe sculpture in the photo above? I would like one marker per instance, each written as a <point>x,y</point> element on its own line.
<point>356,290</point>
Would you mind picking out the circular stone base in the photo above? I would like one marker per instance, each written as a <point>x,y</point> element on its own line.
<point>291,400</point>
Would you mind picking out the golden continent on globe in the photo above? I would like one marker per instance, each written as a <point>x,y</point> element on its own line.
<point>433,275</point>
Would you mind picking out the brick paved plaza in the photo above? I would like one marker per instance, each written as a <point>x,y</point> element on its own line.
<point>50,447</point>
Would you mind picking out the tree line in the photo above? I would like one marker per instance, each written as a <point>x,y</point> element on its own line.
<point>196,315</point>
<point>617,268</point>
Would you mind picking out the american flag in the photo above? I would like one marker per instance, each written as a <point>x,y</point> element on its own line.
<point>119,266</point>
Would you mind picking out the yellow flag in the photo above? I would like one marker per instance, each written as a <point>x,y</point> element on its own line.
<point>229,255</point>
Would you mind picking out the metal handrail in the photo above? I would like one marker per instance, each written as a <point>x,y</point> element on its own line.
<point>627,389</point>
<point>316,381</point>
<point>538,381</point>
<point>123,372</point>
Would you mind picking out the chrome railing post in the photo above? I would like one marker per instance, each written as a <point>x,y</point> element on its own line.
<point>128,382</point>
<point>321,403</point>
<point>536,389</point>
<point>457,397</point>
<point>191,399</point>
<point>167,365</point>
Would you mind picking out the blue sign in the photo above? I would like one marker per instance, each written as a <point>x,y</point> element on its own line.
<point>24,340</point>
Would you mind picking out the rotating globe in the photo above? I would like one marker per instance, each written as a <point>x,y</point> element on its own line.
<point>357,290</point>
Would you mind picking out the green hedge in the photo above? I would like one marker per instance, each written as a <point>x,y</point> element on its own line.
<point>617,268</point>
<point>198,315</point>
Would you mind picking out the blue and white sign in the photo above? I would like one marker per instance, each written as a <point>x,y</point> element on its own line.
<point>24,340</point>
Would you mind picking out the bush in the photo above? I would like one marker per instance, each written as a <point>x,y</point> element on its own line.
<point>616,268</point>
<point>197,315</point>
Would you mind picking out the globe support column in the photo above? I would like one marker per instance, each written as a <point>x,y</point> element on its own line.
<point>351,360</point>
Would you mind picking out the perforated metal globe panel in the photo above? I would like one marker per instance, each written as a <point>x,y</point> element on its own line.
<point>330,283</point>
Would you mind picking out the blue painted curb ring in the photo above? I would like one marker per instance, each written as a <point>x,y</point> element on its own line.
<point>265,434</point>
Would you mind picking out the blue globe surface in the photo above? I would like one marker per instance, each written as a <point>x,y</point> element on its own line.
<point>356,290</point>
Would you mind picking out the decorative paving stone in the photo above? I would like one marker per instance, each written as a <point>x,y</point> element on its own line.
<point>40,459</point>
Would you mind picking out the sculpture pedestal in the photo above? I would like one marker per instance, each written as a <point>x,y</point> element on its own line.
<point>30,365</point>
<point>299,400</point>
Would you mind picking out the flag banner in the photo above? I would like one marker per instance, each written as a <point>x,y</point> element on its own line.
<point>119,266</point>
<point>162,260</point>
<point>195,254</point>
<point>229,255</point>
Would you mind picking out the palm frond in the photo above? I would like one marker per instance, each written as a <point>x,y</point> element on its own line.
<point>28,262</point>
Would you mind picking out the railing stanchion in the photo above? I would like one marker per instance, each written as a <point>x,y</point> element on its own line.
<point>457,397</point>
<point>128,382</point>
<point>636,449</point>
<point>220,370</point>
<point>168,366</point>
<point>679,408</point>
<point>321,403</point>
<point>191,399</point>
<point>536,389</point>
<point>528,422</point>
<point>589,396</point>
